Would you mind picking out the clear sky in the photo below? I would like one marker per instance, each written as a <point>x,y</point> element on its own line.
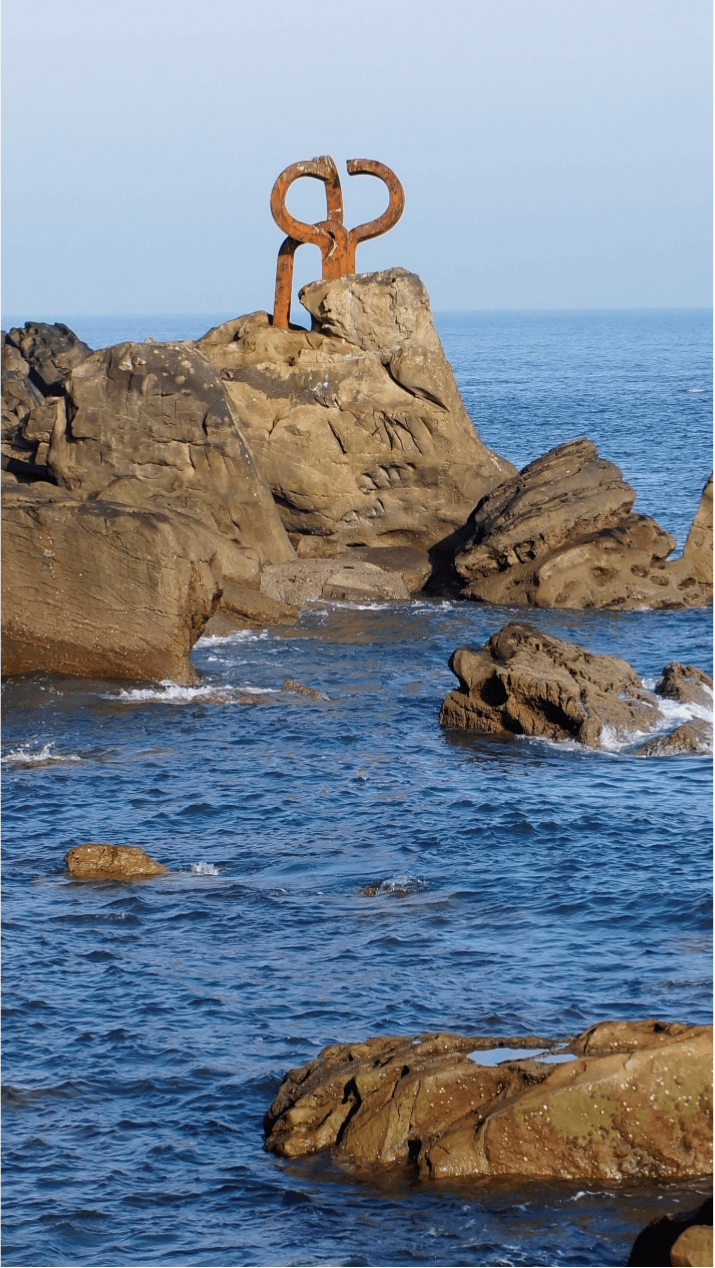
<point>554,153</point>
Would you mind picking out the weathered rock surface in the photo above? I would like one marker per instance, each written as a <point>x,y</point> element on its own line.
<point>123,529</point>
<point>561,534</point>
<point>685,683</point>
<point>525,682</point>
<point>111,862</point>
<point>242,607</point>
<point>341,578</point>
<point>96,589</point>
<point>640,1106</point>
<point>357,425</point>
<point>683,1239</point>
<point>689,737</point>
<point>36,361</point>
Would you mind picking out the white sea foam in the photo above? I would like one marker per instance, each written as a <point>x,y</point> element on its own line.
<point>25,756</point>
<point>171,693</point>
<point>204,869</point>
<point>235,636</point>
<point>401,885</point>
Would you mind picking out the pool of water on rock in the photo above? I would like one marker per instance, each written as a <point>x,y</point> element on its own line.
<point>514,887</point>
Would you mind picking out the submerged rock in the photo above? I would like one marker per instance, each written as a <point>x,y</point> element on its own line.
<point>641,1106</point>
<point>525,682</point>
<point>561,534</point>
<point>357,424</point>
<point>111,862</point>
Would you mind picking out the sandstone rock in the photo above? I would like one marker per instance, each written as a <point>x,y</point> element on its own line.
<point>36,361</point>
<point>698,548</point>
<point>685,1238</point>
<point>357,425</point>
<point>309,579</point>
<point>685,683</point>
<point>376,1099</point>
<point>120,541</point>
<point>693,1247</point>
<point>112,862</point>
<point>150,424</point>
<point>690,737</point>
<point>51,352</point>
<point>646,1114</point>
<point>100,590</point>
<point>242,607</point>
<point>632,1111</point>
<point>525,682</point>
<point>299,689</point>
<point>561,534</point>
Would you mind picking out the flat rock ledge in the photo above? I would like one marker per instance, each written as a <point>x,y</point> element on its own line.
<point>623,1100</point>
<point>111,862</point>
<point>526,682</point>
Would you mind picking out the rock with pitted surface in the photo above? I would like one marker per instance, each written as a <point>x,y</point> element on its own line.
<point>357,425</point>
<point>526,682</point>
<point>683,1239</point>
<point>111,862</point>
<point>637,1104</point>
<point>561,533</point>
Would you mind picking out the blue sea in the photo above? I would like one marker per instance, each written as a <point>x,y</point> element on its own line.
<point>522,886</point>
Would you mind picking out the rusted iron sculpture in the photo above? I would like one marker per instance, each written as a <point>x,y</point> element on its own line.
<point>337,244</point>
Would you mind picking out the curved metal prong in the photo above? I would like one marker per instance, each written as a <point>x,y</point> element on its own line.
<point>321,168</point>
<point>395,206</point>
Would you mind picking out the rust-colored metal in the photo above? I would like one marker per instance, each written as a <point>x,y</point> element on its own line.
<point>337,244</point>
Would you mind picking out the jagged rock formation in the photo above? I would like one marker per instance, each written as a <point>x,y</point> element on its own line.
<point>525,682</point>
<point>561,534</point>
<point>631,1099</point>
<point>130,501</point>
<point>357,425</point>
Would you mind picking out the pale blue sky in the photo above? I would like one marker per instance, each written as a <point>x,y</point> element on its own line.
<point>554,153</point>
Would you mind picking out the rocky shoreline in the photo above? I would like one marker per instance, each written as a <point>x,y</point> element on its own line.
<point>154,492</point>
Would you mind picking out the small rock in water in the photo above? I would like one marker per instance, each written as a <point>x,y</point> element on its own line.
<point>300,689</point>
<point>685,683</point>
<point>111,862</point>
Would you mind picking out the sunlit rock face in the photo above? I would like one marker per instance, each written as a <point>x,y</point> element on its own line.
<point>357,425</point>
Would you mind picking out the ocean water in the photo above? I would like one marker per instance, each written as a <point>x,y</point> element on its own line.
<point>522,886</point>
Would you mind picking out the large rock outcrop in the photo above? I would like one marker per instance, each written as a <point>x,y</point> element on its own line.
<point>629,1100</point>
<point>526,682</point>
<point>99,590</point>
<point>357,425</point>
<point>561,533</point>
<point>130,502</point>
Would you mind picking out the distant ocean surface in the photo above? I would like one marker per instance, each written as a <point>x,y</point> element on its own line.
<point>522,886</point>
